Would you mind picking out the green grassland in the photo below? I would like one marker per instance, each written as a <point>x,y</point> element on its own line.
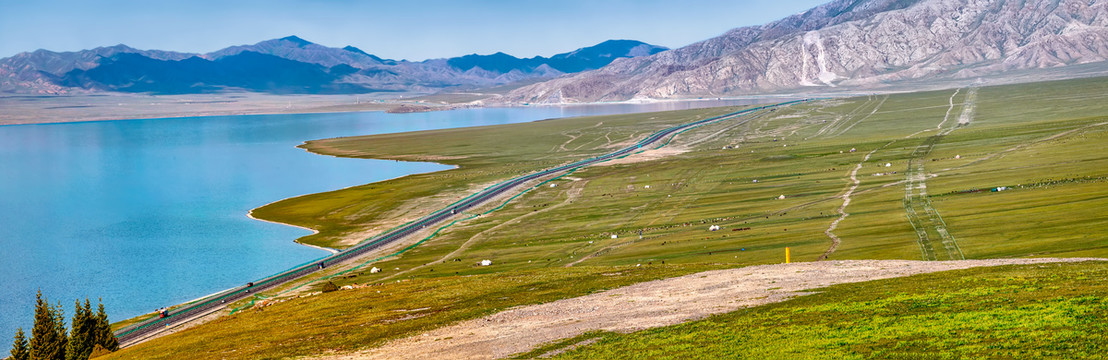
<point>1009,312</point>
<point>1042,140</point>
<point>351,319</point>
<point>484,155</point>
<point>1043,137</point>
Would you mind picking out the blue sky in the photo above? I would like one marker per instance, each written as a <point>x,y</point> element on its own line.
<point>413,30</point>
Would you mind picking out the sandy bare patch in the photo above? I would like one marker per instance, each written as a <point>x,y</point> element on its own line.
<point>648,155</point>
<point>650,304</point>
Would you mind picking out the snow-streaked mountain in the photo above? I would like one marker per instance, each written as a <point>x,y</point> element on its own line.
<point>854,43</point>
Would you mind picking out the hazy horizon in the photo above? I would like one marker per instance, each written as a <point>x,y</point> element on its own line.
<point>410,31</point>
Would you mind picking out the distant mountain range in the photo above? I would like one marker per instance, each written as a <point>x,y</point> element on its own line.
<point>286,65</point>
<point>853,44</point>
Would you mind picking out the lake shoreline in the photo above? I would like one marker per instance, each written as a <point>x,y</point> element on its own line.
<point>256,176</point>
<point>31,110</point>
<point>250,214</point>
<point>306,146</point>
<point>124,107</point>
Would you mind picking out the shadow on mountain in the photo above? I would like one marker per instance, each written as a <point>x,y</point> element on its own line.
<point>250,71</point>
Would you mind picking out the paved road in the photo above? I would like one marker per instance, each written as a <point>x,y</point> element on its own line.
<point>147,329</point>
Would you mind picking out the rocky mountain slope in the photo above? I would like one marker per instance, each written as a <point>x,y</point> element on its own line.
<point>286,65</point>
<point>38,71</point>
<point>593,57</point>
<point>297,49</point>
<point>854,43</point>
<point>247,70</point>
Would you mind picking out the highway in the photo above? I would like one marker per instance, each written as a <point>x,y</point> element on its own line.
<point>146,329</point>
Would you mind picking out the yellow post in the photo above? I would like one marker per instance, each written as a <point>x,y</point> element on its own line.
<point>786,255</point>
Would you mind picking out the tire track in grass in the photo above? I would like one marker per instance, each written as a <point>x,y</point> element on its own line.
<point>969,107</point>
<point>839,119</point>
<point>673,211</point>
<point>697,141</point>
<point>573,138</point>
<point>915,203</point>
<point>1002,153</point>
<point>878,107</point>
<point>932,233</point>
<point>833,129</point>
<point>571,194</point>
<point>562,147</point>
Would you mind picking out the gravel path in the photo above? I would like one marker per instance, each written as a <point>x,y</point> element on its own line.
<point>650,304</point>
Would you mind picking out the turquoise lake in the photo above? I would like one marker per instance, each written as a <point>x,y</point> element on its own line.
<point>150,213</point>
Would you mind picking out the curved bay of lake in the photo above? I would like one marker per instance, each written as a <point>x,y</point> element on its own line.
<point>150,213</point>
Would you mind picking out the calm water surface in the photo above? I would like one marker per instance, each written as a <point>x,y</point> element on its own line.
<point>149,213</point>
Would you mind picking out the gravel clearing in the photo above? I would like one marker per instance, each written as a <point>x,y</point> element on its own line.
<point>651,304</point>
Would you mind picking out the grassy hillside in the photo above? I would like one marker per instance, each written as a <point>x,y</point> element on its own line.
<point>1010,312</point>
<point>351,319</point>
<point>919,169</point>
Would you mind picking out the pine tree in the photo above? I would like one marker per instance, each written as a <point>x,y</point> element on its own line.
<point>82,332</point>
<point>48,337</point>
<point>103,330</point>
<point>20,349</point>
<point>60,331</point>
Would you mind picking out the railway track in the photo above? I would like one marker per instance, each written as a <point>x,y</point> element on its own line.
<point>148,329</point>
